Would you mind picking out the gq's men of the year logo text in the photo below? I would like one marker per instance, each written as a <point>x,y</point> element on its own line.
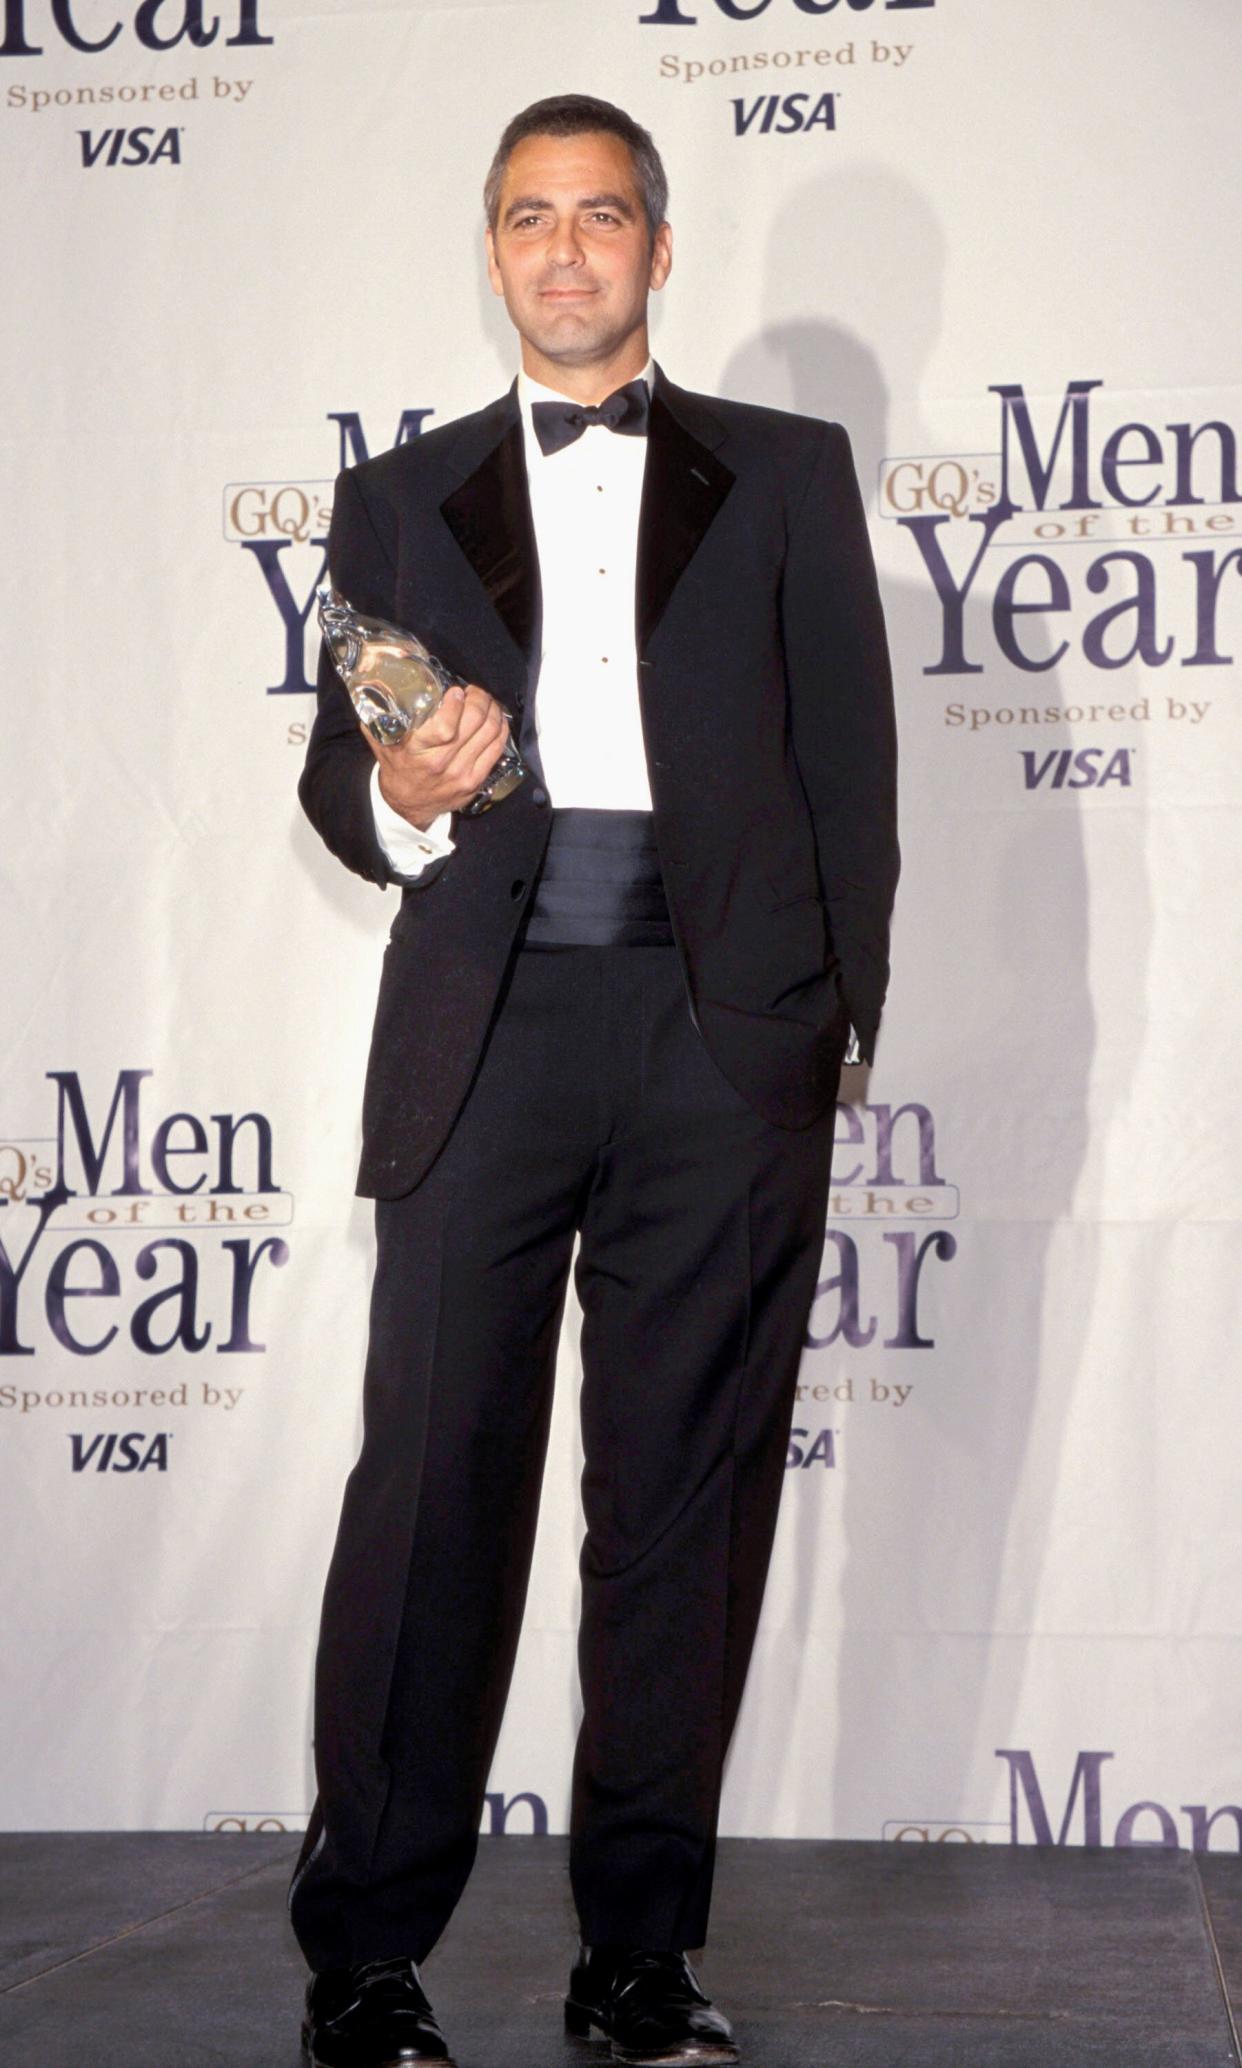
<point>524,1814</point>
<point>35,27</point>
<point>1084,1822</point>
<point>873,1295</point>
<point>675,14</point>
<point>1095,547</point>
<point>1037,1795</point>
<point>134,1230</point>
<point>885,1185</point>
<point>282,526</point>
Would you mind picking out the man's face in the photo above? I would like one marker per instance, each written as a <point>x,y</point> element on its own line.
<point>571,252</point>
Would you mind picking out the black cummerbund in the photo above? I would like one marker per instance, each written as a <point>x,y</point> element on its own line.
<point>601,885</point>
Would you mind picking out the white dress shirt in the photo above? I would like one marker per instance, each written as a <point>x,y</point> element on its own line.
<point>585,503</point>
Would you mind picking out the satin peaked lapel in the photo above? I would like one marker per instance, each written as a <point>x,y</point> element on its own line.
<point>489,516</point>
<point>683,487</point>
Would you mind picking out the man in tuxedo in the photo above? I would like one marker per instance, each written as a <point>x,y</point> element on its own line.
<point>613,1007</point>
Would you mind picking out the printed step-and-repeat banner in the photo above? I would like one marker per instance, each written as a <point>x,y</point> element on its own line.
<point>243,248</point>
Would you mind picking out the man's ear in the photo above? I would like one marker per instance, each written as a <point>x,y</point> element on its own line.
<point>661,257</point>
<point>493,270</point>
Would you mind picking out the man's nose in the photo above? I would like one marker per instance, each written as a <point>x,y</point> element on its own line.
<point>565,245</point>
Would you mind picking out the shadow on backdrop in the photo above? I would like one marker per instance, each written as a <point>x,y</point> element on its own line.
<point>991,990</point>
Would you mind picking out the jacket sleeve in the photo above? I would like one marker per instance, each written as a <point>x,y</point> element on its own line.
<point>842,721</point>
<point>335,785</point>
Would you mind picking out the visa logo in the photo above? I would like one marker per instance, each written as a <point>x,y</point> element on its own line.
<point>783,113</point>
<point>129,147</point>
<point>1063,769</point>
<point>113,1453</point>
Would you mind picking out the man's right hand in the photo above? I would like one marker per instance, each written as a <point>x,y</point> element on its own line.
<point>440,765</point>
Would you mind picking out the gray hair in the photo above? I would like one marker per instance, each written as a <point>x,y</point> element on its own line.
<point>578,114</point>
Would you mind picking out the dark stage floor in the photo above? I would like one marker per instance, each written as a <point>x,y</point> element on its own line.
<point>171,1950</point>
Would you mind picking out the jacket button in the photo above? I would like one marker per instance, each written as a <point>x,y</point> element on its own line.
<point>538,796</point>
<point>517,887</point>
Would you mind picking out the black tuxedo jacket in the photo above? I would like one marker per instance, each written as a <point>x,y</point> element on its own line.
<point>768,722</point>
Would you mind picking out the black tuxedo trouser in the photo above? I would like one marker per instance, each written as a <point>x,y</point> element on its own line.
<point>596,1110</point>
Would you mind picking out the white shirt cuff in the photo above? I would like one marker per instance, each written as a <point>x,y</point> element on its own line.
<point>408,848</point>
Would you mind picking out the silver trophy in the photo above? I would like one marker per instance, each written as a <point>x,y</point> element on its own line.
<point>394,685</point>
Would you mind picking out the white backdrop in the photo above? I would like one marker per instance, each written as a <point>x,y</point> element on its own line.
<point>1007,1596</point>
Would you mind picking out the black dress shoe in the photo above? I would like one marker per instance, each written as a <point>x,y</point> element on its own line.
<point>649,2005</point>
<point>375,2016</point>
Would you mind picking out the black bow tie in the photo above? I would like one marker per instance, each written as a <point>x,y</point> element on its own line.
<point>557,424</point>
